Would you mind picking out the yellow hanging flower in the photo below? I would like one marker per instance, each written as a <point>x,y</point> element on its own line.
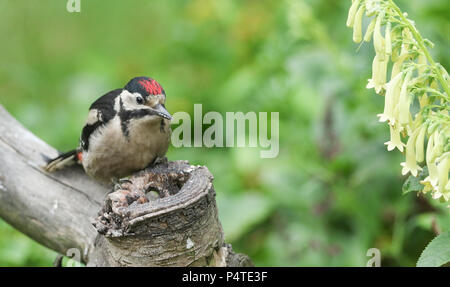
<point>387,35</point>
<point>357,25</point>
<point>410,165</point>
<point>378,41</point>
<point>432,179</point>
<point>404,101</point>
<point>379,71</point>
<point>420,143</point>
<point>438,147</point>
<point>443,168</point>
<point>391,99</point>
<point>369,31</point>
<point>395,141</point>
<point>352,12</point>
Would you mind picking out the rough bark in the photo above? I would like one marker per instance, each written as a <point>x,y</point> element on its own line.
<point>163,216</point>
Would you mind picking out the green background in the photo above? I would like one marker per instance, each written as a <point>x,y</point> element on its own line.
<point>332,193</point>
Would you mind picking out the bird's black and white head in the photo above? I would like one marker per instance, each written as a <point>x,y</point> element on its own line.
<point>146,95</point>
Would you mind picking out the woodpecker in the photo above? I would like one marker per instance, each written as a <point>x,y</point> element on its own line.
<point>126,130</point>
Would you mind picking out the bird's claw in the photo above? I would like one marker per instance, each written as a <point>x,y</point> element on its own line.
<point>118,183</point>
<point>159,160</point>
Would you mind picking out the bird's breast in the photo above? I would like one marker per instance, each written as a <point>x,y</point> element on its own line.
<point>112,154</point>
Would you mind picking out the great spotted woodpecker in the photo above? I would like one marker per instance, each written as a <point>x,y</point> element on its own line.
<point>126,130</point>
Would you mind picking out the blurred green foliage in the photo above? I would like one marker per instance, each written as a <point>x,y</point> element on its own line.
<point>331,194</point>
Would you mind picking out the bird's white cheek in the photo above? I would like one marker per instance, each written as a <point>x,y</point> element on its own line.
<point>93,117</point>
<point>129,100</point>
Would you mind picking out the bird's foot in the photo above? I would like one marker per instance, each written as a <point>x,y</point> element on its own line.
<point>159,160</point>
<point>118,183</point>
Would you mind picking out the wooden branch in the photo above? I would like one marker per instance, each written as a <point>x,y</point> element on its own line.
<point>163,216</point>
<point>50,208</point>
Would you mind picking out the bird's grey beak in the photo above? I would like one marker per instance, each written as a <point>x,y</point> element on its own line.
<point>162,112</point>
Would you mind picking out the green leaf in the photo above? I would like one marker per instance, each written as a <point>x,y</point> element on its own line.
<point>413,183</point>
<point>437,253</point>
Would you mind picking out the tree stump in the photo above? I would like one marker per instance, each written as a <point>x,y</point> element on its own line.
<point>165,215</point>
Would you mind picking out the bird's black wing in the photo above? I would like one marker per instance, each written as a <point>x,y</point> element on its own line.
<point>105,112</point>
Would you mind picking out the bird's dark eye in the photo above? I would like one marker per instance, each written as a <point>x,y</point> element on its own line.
<point>139,100</point>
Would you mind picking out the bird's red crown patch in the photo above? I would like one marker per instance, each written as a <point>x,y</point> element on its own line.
<point>151,86</point>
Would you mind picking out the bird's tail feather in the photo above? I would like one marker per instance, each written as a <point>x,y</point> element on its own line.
<point>63,160</point>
